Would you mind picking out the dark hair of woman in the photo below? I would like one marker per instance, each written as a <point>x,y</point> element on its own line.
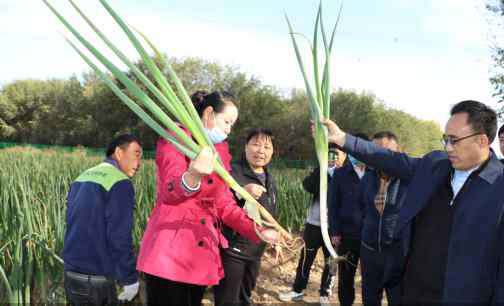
<point>201,99</point>
<point>259,132</point>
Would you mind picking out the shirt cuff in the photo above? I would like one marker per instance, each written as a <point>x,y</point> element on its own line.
<point>186,186</point>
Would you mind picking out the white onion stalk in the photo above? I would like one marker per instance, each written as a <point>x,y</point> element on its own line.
<point>319,95</point>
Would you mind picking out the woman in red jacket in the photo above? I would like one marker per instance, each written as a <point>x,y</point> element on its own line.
<point>179,253</point>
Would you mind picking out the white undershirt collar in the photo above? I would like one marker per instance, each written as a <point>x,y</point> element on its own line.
<point>458,180</point>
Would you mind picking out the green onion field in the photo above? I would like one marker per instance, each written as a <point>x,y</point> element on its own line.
<point>33,188</point>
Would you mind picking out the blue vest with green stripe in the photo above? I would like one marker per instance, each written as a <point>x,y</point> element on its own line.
<point>105,175</point>
<point>100,205</point>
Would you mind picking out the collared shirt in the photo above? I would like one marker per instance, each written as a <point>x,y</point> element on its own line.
<point>458,180</point>
<point>359,171</point>
<point>330,170</point>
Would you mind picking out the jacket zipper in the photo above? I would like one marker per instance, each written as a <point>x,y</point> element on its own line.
<point>381,221</point>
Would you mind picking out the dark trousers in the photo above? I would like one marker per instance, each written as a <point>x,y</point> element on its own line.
<point>163,292</point>
<point>83,289</point>
<point>350,248</point>
<point>239,281</point>
<point>381,271</point>
<point>312,237</point>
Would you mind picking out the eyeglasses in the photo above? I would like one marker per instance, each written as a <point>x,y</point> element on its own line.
<point>449,140</point>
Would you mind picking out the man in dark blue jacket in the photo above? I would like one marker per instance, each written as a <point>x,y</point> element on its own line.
<point>345,223</point>
<point>455,206</point>
<point>98,250</point>
<point>382,255</point>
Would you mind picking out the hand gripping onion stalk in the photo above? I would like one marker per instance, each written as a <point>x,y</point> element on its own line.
<point>177,102</point>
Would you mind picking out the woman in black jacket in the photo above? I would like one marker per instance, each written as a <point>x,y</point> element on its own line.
<point>242,259</point>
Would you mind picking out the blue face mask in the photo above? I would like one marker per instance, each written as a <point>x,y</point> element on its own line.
<point>354,161</point>
<point>215,134</point>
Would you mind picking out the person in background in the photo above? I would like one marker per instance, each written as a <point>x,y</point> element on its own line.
<point>242,259</point>
<point>180,249</point>
<point>345,222</point>
<point>382,254</point>
<point>98,248</point>
<point>312,236</point>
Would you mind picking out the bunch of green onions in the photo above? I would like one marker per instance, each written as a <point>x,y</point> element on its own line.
<point>177,101</point>
<point>319,95</point>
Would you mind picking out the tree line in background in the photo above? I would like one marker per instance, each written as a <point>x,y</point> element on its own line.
<point>497,80</point>
<point>83,111</point>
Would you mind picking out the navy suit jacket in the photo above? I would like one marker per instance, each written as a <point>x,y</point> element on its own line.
<point>475,263</point>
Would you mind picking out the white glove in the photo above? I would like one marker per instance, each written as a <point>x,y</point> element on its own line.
<point>129,292</point>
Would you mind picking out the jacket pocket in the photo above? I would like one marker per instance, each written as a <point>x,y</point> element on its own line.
<point>201,223</point>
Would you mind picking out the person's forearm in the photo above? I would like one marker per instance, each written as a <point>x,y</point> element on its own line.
<point>395,164</point>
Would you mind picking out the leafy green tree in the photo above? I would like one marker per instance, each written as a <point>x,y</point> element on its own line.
<point>497,79</point>
<point>7,114</point>
<point>27,100</point>
<point>83,111</point>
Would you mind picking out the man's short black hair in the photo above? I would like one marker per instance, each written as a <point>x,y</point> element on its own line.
<point>482,118</point>
<point>501,130</point>
<point>362,136</point>
<point>121,141</point>
<point>385,134</point>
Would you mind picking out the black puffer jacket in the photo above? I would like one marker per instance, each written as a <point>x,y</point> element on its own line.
<point>243,174</point>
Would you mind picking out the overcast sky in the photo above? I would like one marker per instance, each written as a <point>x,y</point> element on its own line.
<point>420,56</point>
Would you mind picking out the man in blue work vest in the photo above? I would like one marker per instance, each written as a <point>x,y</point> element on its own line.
<point>98,250</point>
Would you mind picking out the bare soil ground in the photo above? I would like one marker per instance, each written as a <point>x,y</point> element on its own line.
<point>275,278</point>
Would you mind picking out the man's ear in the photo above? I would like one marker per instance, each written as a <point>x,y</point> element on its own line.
<point>118,153</point>
<point>483,140</point>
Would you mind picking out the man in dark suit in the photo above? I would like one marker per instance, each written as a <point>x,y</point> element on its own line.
<point>454,204</point>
